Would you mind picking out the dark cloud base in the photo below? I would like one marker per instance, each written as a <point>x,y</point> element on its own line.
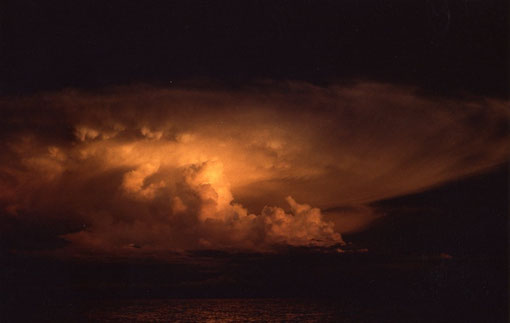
<point>395,281</point>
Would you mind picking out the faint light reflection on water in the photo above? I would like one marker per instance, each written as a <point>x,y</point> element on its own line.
<point>217,310</point>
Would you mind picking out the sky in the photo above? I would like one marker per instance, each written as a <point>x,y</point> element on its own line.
<point>247,138</point>
<point>129,108</point>
<point>445,46</point>
<point>144,169</point>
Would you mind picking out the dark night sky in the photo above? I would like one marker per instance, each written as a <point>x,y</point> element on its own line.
<point>443,46</point>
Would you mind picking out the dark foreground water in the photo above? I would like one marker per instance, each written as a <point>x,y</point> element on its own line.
<point>226,310</point>
<point>244,310</point>
<point>220,310</point>
<point>250,310</point>
<point>238,310</point>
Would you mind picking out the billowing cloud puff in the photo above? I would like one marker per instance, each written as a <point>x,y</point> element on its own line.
<point>195,210</point>
<point>174,169</point>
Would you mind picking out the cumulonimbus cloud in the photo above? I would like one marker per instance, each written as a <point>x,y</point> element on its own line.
<point>169,169</point>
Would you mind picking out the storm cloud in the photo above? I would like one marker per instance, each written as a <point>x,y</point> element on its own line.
<point>143,169</point>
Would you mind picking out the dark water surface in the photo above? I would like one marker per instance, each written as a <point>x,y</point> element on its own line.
<point>219,310</point>
<point>225,310</point>
<point>254,310</point>
<point>243,310</point>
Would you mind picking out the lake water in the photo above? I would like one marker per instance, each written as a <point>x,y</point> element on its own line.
<point>222,310</point>
<point>247,310</point>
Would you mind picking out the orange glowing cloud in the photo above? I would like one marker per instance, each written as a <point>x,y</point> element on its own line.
<point>176,169</point>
